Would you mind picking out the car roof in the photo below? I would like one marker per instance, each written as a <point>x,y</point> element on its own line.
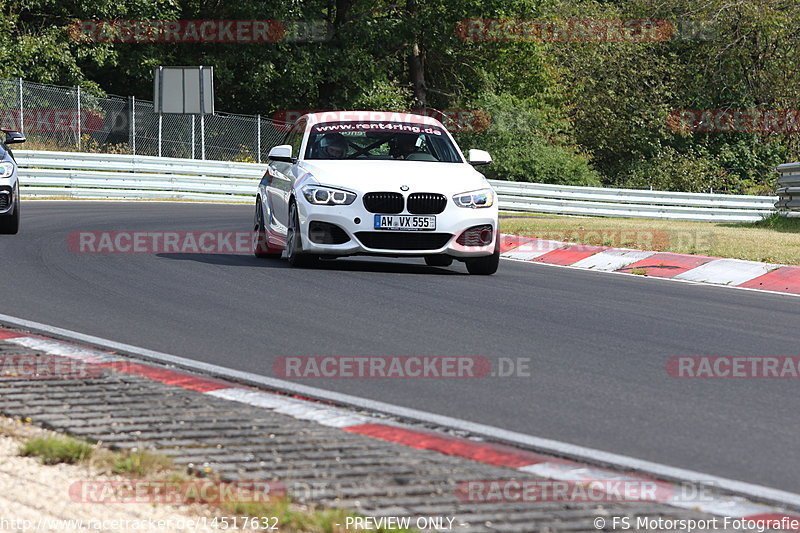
<point>371,116</point>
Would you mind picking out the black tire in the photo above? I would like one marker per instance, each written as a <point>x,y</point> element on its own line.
<point>261,247</point>
<point>438,260</point>
<point>9,224</point>
<point>294,244</point>
<point>484,266</point>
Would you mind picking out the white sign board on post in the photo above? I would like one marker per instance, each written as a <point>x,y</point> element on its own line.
<point>185,90</point>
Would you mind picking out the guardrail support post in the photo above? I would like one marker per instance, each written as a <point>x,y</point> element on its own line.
<point>133,124</point>
<point>193,141</point>
<point>78,100</point>
<point>21,109</point>
<point>258,137</point>
<point>203,137</point>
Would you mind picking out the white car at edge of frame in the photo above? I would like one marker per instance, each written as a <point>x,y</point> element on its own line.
<point>376,183</point>
<point>9,184</point>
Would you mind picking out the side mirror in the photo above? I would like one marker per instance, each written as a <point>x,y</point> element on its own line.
<point>282,153</point>
<point>14,137</point>
<point>479,157</point>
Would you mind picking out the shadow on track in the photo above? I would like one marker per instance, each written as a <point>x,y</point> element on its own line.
<point>226,259</point>
<point>344,265</point>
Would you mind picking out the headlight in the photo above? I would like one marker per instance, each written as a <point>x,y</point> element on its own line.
<point>6,169</point>
<point>474,199</point>
<point>318,195</point>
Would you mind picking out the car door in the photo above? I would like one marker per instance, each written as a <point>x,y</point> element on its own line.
<point>280,186</point>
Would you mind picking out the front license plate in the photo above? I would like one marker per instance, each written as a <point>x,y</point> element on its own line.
<point>405,222</point>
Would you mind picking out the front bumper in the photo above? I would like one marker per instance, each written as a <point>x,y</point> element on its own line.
<point>364,239</point>
<point>8,193</point>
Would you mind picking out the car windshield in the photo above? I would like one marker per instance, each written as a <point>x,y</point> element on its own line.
<point>381,140</point>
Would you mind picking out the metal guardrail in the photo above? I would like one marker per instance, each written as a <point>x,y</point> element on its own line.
<point>134,177</point>
<point>631,203</point>
<point>113,176</point>
<point>788,202</point>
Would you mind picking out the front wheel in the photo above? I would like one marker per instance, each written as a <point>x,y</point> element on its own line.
<point>484,266</point>
<point>294,243</point>
<point>9,224</point>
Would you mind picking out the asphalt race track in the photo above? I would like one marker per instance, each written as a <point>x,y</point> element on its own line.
<point>598,343</point>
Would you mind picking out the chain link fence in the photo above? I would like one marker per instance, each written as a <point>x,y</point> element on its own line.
<point>70,119</point>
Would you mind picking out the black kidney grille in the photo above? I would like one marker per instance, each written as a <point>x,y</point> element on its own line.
<point>383,202</point>
<point>393,240</point>
<point>426,203</point>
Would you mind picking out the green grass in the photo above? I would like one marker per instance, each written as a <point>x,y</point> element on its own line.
<point>775,239</point>
<point>57,449</point>
<point>774,222</point>
<point>139,463</point>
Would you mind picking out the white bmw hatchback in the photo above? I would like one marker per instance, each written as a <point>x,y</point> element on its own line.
<point>376,183</point>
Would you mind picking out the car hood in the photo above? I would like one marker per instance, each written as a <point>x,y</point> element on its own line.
<point>387,175</point>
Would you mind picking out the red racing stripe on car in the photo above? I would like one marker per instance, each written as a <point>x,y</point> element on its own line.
<point>485,452</point>
<point>569,255</point>
<point>170,377</point>
<point>10,334</point>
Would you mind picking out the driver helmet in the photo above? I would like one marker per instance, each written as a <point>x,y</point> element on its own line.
<point>334,145</point>
<point>403,145</point>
